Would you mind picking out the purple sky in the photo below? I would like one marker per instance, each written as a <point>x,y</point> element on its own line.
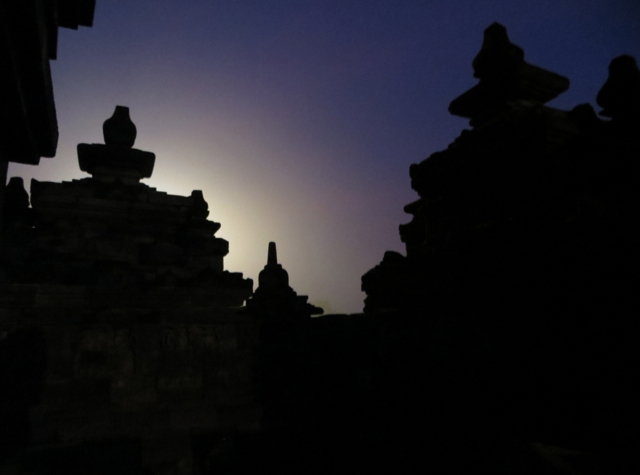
<point>299,119</point>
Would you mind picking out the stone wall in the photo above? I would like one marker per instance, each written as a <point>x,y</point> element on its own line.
<point>119,332</point>
<point>107,364</point>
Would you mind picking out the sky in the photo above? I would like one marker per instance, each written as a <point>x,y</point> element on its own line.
<point>299,119</point>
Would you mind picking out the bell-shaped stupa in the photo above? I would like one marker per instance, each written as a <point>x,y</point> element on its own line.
<point>274,299</point>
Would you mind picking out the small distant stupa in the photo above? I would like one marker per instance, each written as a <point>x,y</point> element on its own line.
<point>274,299</point>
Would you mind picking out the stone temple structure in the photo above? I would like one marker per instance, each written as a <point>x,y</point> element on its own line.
<point>517,297</point>
<point>274,300</point>
<point>119,322</point>
<point>504,341</point>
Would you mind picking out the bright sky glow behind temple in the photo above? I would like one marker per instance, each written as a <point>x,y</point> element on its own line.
<point>299,119</point>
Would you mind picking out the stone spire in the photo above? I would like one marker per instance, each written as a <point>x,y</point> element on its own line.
<point>116,160</point>
<point>272,257</point>
<point>274,298</point>
<point>273,277</point>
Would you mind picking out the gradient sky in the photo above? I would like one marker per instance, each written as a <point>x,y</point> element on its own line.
<point>299,119</point>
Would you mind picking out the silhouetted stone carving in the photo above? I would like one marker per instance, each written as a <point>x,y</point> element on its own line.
<point>520,256</point>
<point>387,282</point>
<point>620,95</point>
<point>274,299</point>
<point>128,288</point>
<point>153,237</point>
<point>118,130</point>
<point>504,78</point>
<point>116,160</point>
<point>273,278</point>
<point>498,57</point>
<point>199,207</point>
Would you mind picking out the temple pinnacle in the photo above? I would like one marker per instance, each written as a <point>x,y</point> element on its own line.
<point>272,258</point>
<point>119,129</point>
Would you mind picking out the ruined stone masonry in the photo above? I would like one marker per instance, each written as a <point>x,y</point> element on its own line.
<point>120,322</point>
<point>517,296</point>
<point>504,341</point>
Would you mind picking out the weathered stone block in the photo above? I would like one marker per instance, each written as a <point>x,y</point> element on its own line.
<point>134,392</point>
<point>187,383</point>
<point>163,449</point>
<point>77,393</point>
<point>194,416</point>
<point>79,428</point>
<point>142,421</point>
<point>98,205</point>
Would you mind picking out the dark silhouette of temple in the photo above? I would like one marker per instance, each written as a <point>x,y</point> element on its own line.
<point>274,299</point>
<point>134,333</point>
<point>505,341</point>
<point>520,269</point>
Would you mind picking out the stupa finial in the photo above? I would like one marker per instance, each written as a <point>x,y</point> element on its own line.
<point>497,55</point>
<point>620,95</point>
<point>116,159</point>
<point>272,257</point>
<point>119,129</point>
